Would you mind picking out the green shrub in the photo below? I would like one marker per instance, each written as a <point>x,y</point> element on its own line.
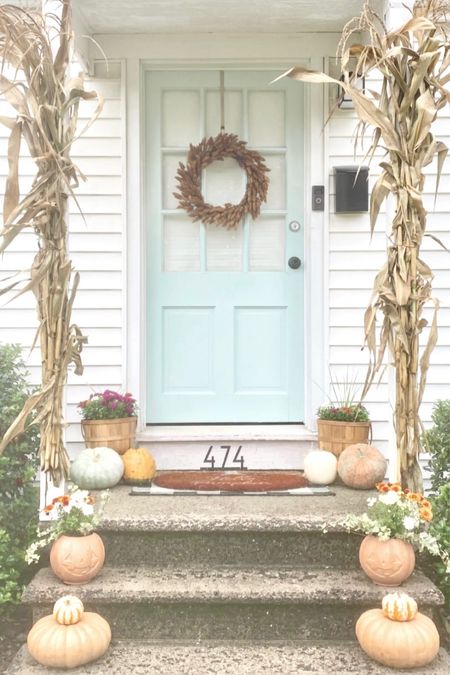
<point>18,465</point>
<point>440,528</point>
<point>437,442</point>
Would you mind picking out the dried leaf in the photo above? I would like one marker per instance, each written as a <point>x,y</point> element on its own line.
<point>12,191</point>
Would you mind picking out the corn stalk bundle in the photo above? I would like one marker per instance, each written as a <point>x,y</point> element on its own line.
<point>414,63</point>
<point>46,106</point>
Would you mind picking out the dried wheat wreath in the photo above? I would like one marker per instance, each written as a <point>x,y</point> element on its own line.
<point>189,178</point>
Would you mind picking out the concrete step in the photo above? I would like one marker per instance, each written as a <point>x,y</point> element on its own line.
<point>240,531</point>
<point>261,446</point>
<point>239,549</point>
<point>230,658</point>
<point>227,603</point>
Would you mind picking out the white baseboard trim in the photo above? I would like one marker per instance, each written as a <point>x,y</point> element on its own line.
<point>226,432</point>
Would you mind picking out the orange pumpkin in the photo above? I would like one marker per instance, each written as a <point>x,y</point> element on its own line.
<point>56,644</point>
<point>360,466</point>
<point>140,466</point>
<point>398,644</point>
<point>399,606</point>
<point>68,610</point>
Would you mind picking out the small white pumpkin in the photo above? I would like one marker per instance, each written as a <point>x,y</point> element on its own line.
<point>68,610</point>
<point>399,606</point>
<point>97,469</point>
<point>320,467</point>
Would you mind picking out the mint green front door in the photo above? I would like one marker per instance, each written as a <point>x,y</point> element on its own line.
<point>224,308</point>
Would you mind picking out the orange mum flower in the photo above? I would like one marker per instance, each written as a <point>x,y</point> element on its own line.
<point>382,487</point>
<point>48,508</point>
<point>425,503</point>
<point>89,499</point>
<point>414,497</point>
<point>64,500</point>
<point>426,514</point>
<point>406,491</point>
<point>395,487</point>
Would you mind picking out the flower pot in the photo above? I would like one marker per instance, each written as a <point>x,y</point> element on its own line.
<point>387,563</point>
<point>336,436</point>
<point>77,560</point>
<point>118,434</point>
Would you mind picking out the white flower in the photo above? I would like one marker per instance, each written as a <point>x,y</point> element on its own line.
<point>87,509</point>
<point>372,501</point>
<point>409,523</point>
<point>78,498</point>
<point>389,498</point>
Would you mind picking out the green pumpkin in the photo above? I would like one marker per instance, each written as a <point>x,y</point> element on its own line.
<point>97,469</point>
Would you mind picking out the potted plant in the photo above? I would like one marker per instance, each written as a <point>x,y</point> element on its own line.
<point>344,420</point>
<point>77,553</point>
<point>109,419</point>
<point>396,523</point>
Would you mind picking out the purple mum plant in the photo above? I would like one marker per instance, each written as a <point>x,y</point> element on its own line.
<point>108,405</point>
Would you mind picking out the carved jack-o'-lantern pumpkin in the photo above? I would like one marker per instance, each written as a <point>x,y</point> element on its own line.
<point>387,563</point>
<point>77,560</point>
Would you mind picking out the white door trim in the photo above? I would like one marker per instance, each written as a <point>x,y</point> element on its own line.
<point>316,224</point>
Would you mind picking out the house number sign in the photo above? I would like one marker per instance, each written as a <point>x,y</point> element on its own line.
<point>220,457</point>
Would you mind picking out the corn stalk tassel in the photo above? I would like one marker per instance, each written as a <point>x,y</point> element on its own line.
<point>34,81</point>
<point>413,61</point>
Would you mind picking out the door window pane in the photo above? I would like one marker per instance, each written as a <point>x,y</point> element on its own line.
<point>181,244</point>
<point>267,244</point>
<point>223,249</point>
<point>266,119</point>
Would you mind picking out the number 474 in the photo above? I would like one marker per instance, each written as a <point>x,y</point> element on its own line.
<point>238,460</point>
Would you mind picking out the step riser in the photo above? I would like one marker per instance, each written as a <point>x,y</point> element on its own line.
<point>228,658</point>
<point>260,454</point>
<point>238,549</point>
<point>236,621</point>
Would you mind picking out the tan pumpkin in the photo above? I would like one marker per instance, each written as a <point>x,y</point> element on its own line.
<point>399,606</point>
<point>398,644</point>
<point>361,466</point>
<point>59,645</point>
<point>140,466</point>
<point>68,610</point>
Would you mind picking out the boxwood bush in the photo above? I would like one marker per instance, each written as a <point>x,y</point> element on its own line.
<point>437,441</point>
<point>18,491</point>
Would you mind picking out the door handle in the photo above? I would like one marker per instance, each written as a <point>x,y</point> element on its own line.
<point>294,263</point>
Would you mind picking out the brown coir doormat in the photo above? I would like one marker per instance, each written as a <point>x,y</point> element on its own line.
<point>234,481</point>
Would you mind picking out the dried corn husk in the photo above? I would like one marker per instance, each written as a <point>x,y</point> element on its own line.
<point>47,112</point>
<point>414,62</point>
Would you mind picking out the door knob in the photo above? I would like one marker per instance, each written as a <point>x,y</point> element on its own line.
<point>294,263</point>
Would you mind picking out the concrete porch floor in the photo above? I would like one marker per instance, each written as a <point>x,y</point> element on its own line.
<point>231,512</point>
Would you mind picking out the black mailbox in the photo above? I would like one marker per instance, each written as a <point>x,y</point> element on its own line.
<point>352,189</point>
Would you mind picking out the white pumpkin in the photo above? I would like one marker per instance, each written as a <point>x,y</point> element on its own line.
<point>320,467</point>
<point>97,469</point>
<point>68,610</point>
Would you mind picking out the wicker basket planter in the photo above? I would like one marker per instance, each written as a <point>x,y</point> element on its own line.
<point>336,436</point>
<point>118,434</point>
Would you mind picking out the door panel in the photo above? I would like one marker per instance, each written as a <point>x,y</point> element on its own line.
<point>224,311</point>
